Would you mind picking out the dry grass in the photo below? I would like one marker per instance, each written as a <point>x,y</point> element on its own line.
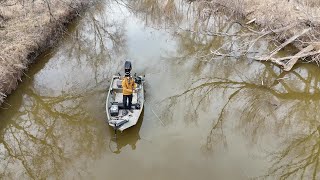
<point>276,14</point>
<point>284,18</point>
<point>272,14</point>
<point>27,28</point>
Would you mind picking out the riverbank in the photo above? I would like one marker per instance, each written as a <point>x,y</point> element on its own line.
<point>28,28</point>
<point>287,22</point>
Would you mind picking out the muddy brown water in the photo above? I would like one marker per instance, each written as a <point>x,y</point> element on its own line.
<point>222,118</point>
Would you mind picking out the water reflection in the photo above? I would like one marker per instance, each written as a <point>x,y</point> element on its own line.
<point>156,13</point>
<point>56,115</point>
<point>261,100</point>
<point>52,118</point>
<point>129,137</point>
<point>260,103</point>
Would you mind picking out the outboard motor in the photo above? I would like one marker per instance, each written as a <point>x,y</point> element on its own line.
<point>127,67</point>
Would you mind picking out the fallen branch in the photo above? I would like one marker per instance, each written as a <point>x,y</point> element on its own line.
<point>281,61</point>
<point>275,51</point>
<point>251,21</point>
<point>304,52</point>
<point>312,53</point>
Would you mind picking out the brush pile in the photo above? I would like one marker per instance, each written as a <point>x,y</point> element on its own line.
<point>289,22</point>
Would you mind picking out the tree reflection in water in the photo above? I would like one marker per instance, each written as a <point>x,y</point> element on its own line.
<point>157,13</point>
<point>262,101</point>
<point>262,104</point>
<point>129,137</point>
<point>266,101</point>
<point>52,125</point>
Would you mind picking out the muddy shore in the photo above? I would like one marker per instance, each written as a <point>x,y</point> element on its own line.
<point>27,29</point>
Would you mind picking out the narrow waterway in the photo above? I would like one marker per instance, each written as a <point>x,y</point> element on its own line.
<point>205,117</point>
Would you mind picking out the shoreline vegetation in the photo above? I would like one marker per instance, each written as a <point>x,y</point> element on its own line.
<point>282,22</point>
<point>27,29</point>
<point>30,27</point>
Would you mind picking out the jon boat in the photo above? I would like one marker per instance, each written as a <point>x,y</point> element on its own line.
<point>119,118</point>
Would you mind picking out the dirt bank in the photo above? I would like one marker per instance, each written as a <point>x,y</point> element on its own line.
<point>294,22</point>
<point>28,28</point>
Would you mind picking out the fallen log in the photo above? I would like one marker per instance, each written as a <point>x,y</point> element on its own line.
<point>288,66</point>
<point>275,51</point>
<point>292,59</point>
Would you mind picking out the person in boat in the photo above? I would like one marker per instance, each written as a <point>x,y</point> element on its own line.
<point>128,86</point>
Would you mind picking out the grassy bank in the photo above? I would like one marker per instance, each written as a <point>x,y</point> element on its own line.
<point>294,22</point>
<point>28,28</point>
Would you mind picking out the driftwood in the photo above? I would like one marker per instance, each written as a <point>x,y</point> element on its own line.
<point>293,60</point>
<point>285,20</point>
<point>275,51</point>
<point>251,21</point>
<point>312,50</point>
<point>288,62</point>
<point>298,55</point>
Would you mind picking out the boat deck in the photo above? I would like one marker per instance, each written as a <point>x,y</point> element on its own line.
<point>118,97</point>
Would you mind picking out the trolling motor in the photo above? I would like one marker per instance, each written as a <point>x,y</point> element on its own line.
<point>117,125</point>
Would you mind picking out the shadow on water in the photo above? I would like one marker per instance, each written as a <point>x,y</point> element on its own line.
<point>128,137</point>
